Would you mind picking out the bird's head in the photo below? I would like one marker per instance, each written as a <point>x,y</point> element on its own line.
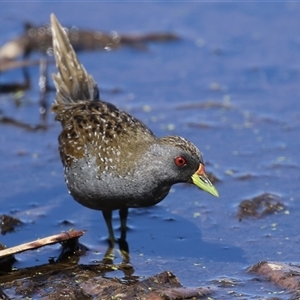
<point>184,163</point>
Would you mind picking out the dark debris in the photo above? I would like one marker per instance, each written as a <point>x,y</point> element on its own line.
<point>8,224</point>
<point>6,264</point>
<point>39,38</point>
<point>260,206</point>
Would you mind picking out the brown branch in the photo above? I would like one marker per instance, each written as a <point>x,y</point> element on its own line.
<point>57,238</point>
<point>6,65</point>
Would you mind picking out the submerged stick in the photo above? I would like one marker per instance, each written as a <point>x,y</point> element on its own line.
<point>57,238</point>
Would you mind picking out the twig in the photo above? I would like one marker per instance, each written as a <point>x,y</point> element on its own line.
<point>6,65</point>
<point>64,236</point>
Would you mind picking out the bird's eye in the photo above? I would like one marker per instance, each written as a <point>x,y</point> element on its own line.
<point>180,161</point>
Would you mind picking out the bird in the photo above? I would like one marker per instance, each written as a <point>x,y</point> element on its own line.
<point>112,160</point>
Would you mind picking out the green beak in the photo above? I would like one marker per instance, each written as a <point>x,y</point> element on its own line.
<point>201,180</point>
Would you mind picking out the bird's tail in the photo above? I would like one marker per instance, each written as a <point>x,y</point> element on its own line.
<point>73,83</point>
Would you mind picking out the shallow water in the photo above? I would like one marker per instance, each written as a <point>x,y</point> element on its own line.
<point>242,60</point>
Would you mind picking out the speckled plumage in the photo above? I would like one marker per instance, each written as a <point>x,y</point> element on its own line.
<point>112,160</point>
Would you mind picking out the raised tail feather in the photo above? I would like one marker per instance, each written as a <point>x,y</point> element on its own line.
<point>72,82</point>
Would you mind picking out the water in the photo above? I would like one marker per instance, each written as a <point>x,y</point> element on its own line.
<point>241,57</point>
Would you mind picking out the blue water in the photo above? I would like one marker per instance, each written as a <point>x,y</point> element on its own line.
<point>245,57</point>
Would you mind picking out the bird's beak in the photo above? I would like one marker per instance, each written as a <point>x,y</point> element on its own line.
<point>201,180</point>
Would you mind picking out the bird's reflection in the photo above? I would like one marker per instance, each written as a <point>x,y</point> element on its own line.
<point>72,248</point>
<point>110,252</point>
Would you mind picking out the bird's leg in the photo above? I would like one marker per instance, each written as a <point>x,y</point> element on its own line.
<point>123,246</point>
<point>123,213</point>
<point>107,214</point>
<point>109,255</point>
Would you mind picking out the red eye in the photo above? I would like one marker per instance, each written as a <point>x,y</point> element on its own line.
<point>180,161</point>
